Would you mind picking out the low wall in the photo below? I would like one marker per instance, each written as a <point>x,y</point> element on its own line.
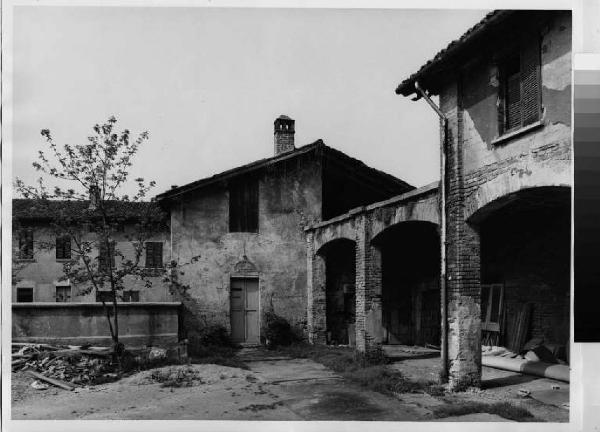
<point>140,324</point>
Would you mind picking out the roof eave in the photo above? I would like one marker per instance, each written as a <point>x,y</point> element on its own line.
<point>407,87</point>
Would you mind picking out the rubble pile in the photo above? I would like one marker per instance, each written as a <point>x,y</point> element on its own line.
<point>70,364</point>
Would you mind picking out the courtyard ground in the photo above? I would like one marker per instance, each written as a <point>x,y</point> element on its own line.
<point>279,387</point>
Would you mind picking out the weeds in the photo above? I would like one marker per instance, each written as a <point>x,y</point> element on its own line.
<point>502,409</point>
<point>219,355</point>
<point>368,370</point>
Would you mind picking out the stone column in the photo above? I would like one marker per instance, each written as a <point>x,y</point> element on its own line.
<point>369,317</point>
<point>463,257</point>
<point>316,308</point>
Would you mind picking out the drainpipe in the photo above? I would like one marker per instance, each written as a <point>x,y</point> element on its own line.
<point>444,300</point>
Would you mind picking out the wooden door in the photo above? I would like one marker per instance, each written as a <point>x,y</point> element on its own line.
<point>245,318</point>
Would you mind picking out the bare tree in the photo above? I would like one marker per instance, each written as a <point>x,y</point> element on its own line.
<point>88,213</point>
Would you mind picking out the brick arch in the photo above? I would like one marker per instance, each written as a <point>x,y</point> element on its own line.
<point>492,192</point>
<point>420,211</point>
<point>344,230</point>
<point>377,238</point>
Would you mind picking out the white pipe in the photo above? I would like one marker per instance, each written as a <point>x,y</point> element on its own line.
<point>443,293</point>
<point>541,369</point>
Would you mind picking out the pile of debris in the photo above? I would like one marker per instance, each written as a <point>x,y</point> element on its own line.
<point>64,366</point>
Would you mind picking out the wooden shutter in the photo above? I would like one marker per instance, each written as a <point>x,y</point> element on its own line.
<point>531,89</point>
<point>104,255</point>
<point>252,206</point>
<point>63,247</point>
<point>149,254</point>
<point>243,206</point>
<point>235,207</point>
<point>157,258</point>
<point>26,244</point>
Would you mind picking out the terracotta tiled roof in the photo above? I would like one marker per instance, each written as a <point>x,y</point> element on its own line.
<point>407,87</point>
<point>33,209</point>
<point>387,179</point>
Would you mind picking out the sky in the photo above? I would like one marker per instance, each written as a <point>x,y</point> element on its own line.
<point>207,83</point>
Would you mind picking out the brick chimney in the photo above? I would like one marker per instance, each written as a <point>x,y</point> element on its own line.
<point>284,134</point>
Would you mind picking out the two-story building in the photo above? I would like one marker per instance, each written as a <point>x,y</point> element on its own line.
<point>40,253</point>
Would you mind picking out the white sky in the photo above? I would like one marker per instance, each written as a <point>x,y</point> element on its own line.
<point>207,83</point>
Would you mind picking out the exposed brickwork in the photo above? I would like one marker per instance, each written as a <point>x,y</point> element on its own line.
<point>463,267</point>
<point>316,295</point>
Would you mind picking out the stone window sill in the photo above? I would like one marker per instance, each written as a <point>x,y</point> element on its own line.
<point>516,133</point>
<point>25,260</point>
<point>63,260</point>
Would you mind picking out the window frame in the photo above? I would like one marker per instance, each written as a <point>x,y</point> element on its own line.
<point>104,256</point>
<point>62,249</point>
<point>244,205</point>
<point>528,53</point>
<point>68,298</point>
<point>489,323</point>
<point>130,296</point>
<point>26,252</point>
<point>151,253</point>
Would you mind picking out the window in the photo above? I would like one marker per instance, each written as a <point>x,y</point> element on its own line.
<point>243,206</point>
<point>25,295</point>
<point>63,247</point>
<point>105,296</point>
<point>104,255</point>
<point>154,254</point>
<point>63,293</point>
<point>131,296</point>
<point>520,89</point>
<point>26,244</point>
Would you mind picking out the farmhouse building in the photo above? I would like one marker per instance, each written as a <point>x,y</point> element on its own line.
<point>246,228</point>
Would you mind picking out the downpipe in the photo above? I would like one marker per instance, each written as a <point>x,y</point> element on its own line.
<point>443,289</point>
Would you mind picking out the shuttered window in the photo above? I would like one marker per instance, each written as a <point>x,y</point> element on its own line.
<point>104,256</point>
<point>154,255</point>
<point>26,244</point>
<point>63,247</point>
<point>521,87</point>
<point>243,206</point>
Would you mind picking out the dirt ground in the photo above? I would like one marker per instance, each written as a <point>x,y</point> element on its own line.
<point>273,389</point>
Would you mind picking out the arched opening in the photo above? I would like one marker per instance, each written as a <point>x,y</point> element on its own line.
<point>410,283</point>
<point>525,269</point>
<point>340,298</point>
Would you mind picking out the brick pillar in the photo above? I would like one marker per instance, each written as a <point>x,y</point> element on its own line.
<point>316,310</point>
<point>369,319</point>
<point>463,258</point>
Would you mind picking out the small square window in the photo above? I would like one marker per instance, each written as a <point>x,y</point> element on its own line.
<point>24,295</point>
<point>131,296</point>
<point>63,293</point>
<point>105,296</point>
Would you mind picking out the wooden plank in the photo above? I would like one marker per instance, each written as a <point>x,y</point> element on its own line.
<point>57,383</point>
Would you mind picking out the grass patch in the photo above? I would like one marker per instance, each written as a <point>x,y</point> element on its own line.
<point>368,370</point>
<point>502,409</point>
<point>219,355</point>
